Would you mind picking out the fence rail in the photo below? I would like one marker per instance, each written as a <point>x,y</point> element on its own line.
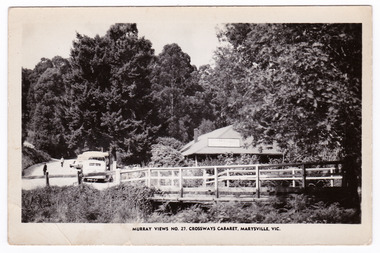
<point>235,178</point>
<point>227,179</point>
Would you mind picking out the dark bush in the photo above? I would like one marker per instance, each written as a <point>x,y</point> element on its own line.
<point>166,156</point>
<point>31,156</point>
<point>86,204</point>
<point>130,204</point>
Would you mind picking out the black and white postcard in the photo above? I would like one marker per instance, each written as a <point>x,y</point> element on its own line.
<point>190,126</point>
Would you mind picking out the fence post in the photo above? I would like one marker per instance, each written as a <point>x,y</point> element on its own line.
<point>47,178</point>
<point>117,176</point>
<point>344,175</point>
<point>148,173</point>
<point>79,177</point>
<point>228,176</point>
<point>293,181</point>
<point>204,178</point>
<point>172,178</point>
<point>257,181</point>
<point>338,171</point>
<point>216,182</point>
<point>304,184</point>
<point>331,175</point>
<point>158,179</point>
<point>180,183</point>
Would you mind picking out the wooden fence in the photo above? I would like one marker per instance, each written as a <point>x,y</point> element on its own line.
<point>253,179</point>
<point>236,179</point>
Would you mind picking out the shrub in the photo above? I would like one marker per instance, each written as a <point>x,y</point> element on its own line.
<point>297,203</point>
<point>234,212</point>
<point>166,156</point>
<point>193,214</point>
<point>123,203</point>
<point>31,156</point>
<point>170,142</point>
<point>230,159</point>
<point>333,213</point>
<point>157,217</point>
<point>129,203</point>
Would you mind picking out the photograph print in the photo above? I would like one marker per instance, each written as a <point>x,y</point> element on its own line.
<point>223,123</point>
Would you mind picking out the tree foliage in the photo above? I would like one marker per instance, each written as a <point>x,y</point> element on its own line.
<point>171,142</point>
<point>166,156</point>
<point>26,83</point>
<point>29,80</point>
<point>296,84</point>
<point>176,93</point>
<point>49,122</point>
<point>111,92</point>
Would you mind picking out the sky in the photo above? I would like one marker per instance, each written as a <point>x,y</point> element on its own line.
<point>49,40</point>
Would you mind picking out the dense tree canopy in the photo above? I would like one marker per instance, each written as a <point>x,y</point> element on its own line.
<point>43,105</point>
<point>111,105</point>
<point>176,93</point>
<point>26,83</point>
<point>29,80</point>
<point>297,84</point>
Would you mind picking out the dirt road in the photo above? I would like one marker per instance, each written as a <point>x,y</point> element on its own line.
<point>54,168</point>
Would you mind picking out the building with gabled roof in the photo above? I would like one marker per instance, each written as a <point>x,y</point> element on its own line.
<point>226,140</point>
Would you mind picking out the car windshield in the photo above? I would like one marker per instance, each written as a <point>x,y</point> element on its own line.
<point>97,158</point>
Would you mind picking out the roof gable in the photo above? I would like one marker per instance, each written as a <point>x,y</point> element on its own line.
<point>226,140</point>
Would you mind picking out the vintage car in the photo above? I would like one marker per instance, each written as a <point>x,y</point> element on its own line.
<point>92,164</point>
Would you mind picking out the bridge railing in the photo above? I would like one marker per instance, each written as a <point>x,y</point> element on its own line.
<point>235,178</point>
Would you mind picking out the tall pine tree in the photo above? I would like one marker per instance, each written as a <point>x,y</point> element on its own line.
<point>176,93</point>
<point>110,97</point>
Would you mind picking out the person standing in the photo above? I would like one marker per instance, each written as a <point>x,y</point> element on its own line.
<point>44,169</point>
<point>62,160</point>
